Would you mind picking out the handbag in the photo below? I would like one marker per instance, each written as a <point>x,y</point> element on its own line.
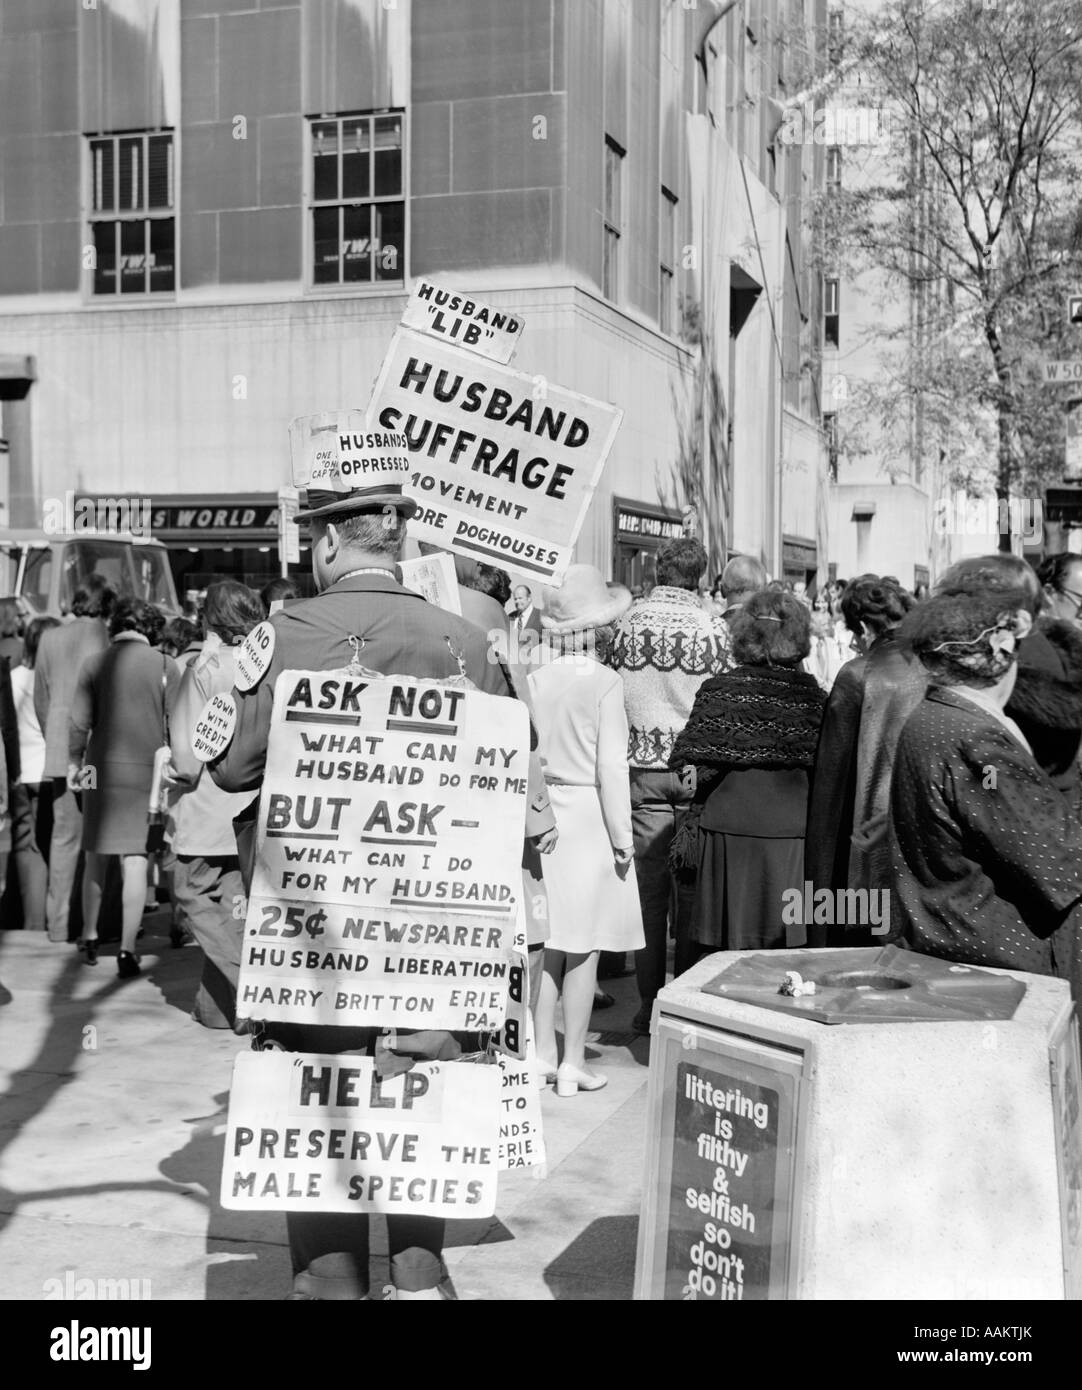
<point>155,809</point>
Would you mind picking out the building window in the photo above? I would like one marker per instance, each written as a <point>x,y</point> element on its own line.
<point>667,258</point>
<point>830,434</point>
<point>613,219</point>
<point>358,200</point>
<point>834,168</point>
<point>132,219</point>
<point>830,312</point>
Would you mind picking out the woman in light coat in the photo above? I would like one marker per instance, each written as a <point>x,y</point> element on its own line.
<point>593,902</point>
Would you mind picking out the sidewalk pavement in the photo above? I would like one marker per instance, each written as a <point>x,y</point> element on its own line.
<point>112,1116</point>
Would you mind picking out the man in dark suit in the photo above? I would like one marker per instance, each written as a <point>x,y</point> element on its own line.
<point>356,540</point>
<point>60,656</point>
<point>525,626</point>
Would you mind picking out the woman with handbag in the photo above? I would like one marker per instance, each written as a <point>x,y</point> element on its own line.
<point>119,720</point>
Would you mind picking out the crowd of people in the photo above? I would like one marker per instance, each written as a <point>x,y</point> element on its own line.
<point>85,706</point>
<point>695,756</point>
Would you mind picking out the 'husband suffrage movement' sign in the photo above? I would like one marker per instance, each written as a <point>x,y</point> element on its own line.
<point>389,847</point>
<point>503,465</point>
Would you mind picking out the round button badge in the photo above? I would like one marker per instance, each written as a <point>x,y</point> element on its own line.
<point>214,728</point>
<point>255,656</point>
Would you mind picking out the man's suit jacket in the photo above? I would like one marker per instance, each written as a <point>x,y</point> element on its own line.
<point>532,623</point>
<point>402,635</point>
<point>61,654</point>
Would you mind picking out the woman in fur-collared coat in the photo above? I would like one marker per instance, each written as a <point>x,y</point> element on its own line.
<point>751,737</point>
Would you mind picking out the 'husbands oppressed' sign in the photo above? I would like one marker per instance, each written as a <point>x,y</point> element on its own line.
<point>503,465</point>
<point>389,847</point>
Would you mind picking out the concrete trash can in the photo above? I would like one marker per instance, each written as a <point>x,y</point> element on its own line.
<point>909,1130</point>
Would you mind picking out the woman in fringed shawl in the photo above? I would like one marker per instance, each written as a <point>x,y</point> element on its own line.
<point>751,738</point>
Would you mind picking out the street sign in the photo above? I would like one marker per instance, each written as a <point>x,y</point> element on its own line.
<point>1057,373</point>
<point>289,533</point>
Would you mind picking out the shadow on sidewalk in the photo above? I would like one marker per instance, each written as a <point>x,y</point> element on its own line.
<point>33,1087</point>
<point>598,1264</point>
<point>194,1170</point>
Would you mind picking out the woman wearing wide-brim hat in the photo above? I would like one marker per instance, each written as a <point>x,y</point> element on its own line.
<point>593,901</point>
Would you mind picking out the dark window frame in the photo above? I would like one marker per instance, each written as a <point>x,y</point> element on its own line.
<point>134,215</point>
<point>667,258</point>
<point>831,311</point>
<point>358,222</point>
<point>612,219</point>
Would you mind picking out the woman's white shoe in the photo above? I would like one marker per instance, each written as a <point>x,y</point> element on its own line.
<point>570,1080</point>
<point>545,1071</point>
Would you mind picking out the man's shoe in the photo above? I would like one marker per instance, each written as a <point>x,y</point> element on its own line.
<point>88,949</point>
<point>603,1000</point>
<point>641,1022</point>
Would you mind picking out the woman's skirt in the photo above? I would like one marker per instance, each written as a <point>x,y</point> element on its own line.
<point>591,907</point>
<point>740,902</point>
<point>115,811</point>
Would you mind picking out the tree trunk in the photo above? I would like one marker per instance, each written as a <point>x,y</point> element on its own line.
<point>1004,424</point>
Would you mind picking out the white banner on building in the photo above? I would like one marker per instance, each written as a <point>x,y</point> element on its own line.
<point>503,465</point>
<point>388,869</point>
<point>323,1133</point>
<point>464,320</point>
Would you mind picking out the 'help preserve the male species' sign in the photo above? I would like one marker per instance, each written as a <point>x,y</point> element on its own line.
<point>503,465</point>
<point>324,1133</point>
<point>388,869</point>
<point>464,320</point>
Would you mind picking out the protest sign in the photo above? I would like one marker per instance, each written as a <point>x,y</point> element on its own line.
<point>434,578</point>
<point>503,465</point>
<point>511,1038</point>
<point>389,848</point>
<point>464,320</point>
<point>522,1142</point>
<point>337,452</point>
<point>323,1133</point>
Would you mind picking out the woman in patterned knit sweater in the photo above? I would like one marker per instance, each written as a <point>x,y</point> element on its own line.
<point>751,738</point>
